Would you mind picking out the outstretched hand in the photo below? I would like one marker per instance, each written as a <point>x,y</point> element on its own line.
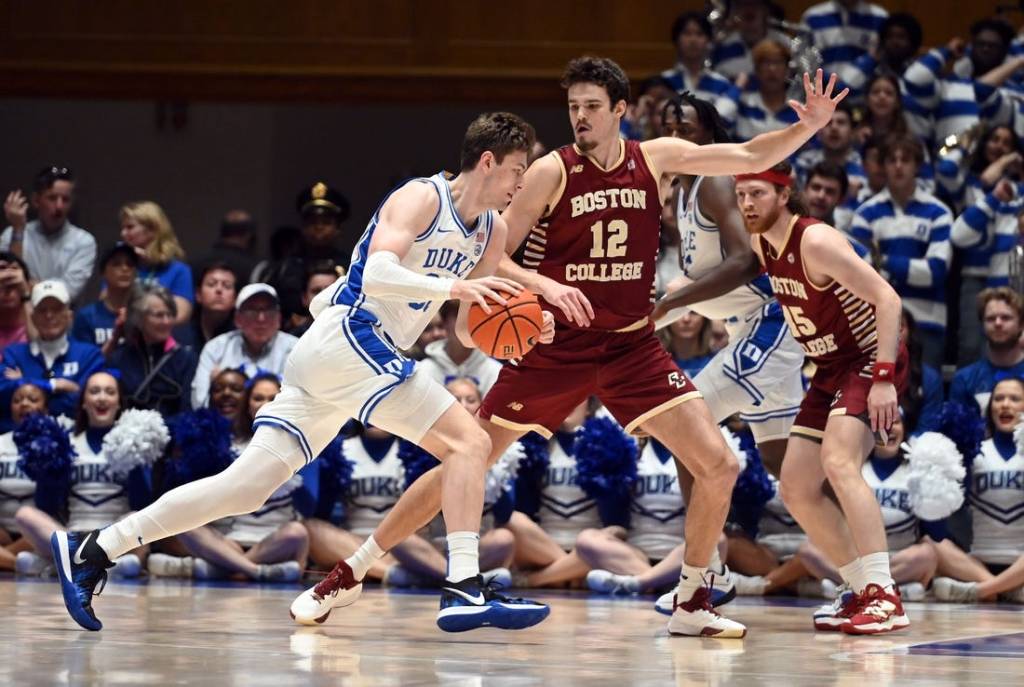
<point>819,106</point>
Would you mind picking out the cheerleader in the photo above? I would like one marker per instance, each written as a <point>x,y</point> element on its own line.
<point>269,545</point>
<point>94,495</point>
<point>16,489</point>
<point>995,566</point>
<point>911,541</point>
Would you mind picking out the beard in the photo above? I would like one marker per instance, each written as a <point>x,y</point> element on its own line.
<point>764,223</point>
<point>1003,345</point>
<point>585,146</point>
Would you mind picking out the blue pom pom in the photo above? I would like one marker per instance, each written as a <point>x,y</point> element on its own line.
<point>605,459</point>
<point>45,452</point>
<point>416,461</point>
<point>536,457</point>
<point>203,440</point>
<point>964,425</point>
<point>335,468</point>
<point>752,491</point>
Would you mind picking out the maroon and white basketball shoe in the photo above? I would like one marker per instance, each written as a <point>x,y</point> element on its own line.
<point>878,611</point>
<point>832,616</point>
<point>696,617</point>
<point>339,589</point>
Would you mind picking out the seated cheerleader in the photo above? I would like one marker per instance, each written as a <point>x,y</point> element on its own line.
<point>94,490</point>
<point>268,545</point>
<point>359,495</point>
<point>559,501</point>
<point>995,566</point>
<point>910,539</point>
<point>16,488</point>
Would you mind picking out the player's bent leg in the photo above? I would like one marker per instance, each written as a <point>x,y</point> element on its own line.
<point>82,558</point>
<point>714,468</point>
<point>846,443</point>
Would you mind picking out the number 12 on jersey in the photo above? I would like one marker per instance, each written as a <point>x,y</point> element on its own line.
<point>610,244</point>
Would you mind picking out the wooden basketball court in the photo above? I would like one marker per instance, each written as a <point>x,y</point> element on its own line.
<point>178,633</point>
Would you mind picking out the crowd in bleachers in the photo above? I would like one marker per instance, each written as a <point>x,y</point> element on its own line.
<point>107,403</point>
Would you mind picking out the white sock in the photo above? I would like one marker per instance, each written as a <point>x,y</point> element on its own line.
<point>364,557</point>
<point>853,575</point>
<point>715,564</point>
<point>875,567</point>
<point>691,578</point>
<point>463,555</point>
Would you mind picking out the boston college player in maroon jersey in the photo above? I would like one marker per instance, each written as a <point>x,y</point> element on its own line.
<point>593,213</point>
<point>847,319</point>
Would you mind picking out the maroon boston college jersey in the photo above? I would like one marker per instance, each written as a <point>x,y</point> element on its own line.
<point>601,236</point>
<point>835,328</point>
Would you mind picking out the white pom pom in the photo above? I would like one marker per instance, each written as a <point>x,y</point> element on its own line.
<point>935,479</point>
<point>66,423</point>
<point>734,443</point>
<point>1018,434</point>
<point>138,438</point>
<point>502,475</point>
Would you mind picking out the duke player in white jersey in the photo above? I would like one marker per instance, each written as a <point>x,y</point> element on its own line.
<point>995,492</point>
<point>758,374</point>
<point>429,241</point>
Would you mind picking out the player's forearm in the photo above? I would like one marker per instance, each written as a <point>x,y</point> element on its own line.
<point>462,326</point>
<point>508,269</point>
<point>735,271</point>
<point>887,322</point>
<point>773,147</point>
<point>385,278</point>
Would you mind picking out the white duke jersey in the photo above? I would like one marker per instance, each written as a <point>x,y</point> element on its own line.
<point>893,498</point>
<point>657,511</point>
<point>16,489</point>
<point>996,495</point>
<point>565,509</point>
<point>96,499</point>
<point>375,488</point>
<point>701,252</point>
<point>447,248</point>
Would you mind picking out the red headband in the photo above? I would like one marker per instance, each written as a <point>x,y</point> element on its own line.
<point>771,175</point>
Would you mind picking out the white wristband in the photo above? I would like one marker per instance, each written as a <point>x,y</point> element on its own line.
<point>385,278</point>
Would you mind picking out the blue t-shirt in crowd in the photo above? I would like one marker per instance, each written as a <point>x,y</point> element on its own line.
<point>976,381</point>
<point>94,323</point>
<point>175,276</point>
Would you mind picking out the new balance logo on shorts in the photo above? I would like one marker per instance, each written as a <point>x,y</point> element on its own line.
<point>515,405</point>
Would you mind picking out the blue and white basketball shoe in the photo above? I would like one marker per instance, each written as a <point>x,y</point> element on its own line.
<point>82,566</point>
<point>471,604</point>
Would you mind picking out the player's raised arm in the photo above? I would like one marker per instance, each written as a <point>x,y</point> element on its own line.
<point>676,156</point>
<point>540,189</point>
<point>740,265</point>
<point>828,255</point>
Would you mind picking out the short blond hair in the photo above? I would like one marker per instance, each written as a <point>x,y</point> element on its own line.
<point>165,246</point>
<point>768,49</point>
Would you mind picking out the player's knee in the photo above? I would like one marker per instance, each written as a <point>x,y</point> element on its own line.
<point>724,470</point>
<point>839,468</point>
<point>796,493</point>
<point>474,443</point>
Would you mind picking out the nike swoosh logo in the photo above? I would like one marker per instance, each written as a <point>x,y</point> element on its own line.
<point>477,600</point>
<point>78,560</point>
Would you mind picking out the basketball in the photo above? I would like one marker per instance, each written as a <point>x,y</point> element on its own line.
<point>509,331</point>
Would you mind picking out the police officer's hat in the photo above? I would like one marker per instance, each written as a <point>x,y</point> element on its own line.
<point>321,199</point>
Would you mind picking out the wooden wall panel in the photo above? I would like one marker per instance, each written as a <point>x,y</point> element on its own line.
<point>389,50</point>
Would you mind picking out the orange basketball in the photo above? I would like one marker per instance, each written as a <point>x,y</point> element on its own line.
<point>509,331</point>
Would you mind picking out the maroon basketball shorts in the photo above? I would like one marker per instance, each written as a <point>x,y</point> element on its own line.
<point>841,392</point>
<point>630,372</point>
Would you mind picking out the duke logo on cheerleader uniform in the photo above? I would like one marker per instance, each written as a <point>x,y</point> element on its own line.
<point>565,509</point>
<point>96,498</point>
<point>657,511</point>
<point>377,483</point>
<point>893,498</point>
<point>996,496</point>
<point>16,489</point>
<point>349,363</point>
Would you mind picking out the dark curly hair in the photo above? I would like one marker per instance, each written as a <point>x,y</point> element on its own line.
<point>600,71</point>
<point>706,113</point>
<point>499,132</point>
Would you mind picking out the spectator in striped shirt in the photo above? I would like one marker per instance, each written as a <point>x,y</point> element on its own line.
<point>899,40</point>
<point>731,56</point>
<point>844,30</point>
<point>911,230</point>
<point>766,109</point>
<point>835,142</point>
<point>1001,312</point>
<point>988,232</point>
<point>692,38</point>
